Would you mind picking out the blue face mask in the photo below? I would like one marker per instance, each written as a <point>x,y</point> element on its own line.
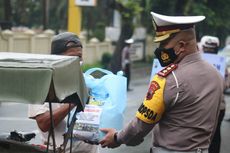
<point>165,56</point>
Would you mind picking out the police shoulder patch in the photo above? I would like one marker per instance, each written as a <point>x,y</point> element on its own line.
<point>167,70</point>
<point>153,106</point>
<point>154,86</point>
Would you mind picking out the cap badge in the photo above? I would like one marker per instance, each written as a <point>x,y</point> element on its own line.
<point>165,57</point>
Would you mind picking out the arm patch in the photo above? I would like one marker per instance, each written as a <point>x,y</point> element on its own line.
<point>153,106</point>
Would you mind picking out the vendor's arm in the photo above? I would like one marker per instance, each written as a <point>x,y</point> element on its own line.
<point>42,115</point>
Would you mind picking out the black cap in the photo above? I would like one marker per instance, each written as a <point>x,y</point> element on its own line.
<point>59,42</point>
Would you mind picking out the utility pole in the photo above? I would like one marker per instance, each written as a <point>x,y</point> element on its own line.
<point>74,17</point>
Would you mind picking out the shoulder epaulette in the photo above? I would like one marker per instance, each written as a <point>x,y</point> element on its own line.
<point>167,70</point>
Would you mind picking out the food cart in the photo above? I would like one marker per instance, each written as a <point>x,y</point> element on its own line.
<point>35,79</point>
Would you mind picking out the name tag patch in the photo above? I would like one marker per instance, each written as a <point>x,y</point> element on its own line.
<point>147,112</point>
<point>153,107</point>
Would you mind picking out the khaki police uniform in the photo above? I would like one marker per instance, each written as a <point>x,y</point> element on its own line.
<point>184,100</point>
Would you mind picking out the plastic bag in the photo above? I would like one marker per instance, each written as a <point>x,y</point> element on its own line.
<point>109,90</point>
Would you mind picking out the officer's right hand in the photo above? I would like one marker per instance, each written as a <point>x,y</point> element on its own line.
<point>108,140</point>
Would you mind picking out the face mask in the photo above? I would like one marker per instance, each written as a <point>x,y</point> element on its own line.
<point>165,56</point>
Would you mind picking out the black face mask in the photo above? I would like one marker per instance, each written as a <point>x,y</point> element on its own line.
<point>165,56</point>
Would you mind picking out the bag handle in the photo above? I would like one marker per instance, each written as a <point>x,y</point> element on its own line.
<point>90,71</point>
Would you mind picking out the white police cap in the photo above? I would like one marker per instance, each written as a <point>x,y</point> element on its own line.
<point>129,41</point>
<point>210,42</point>
<point>167,25</point>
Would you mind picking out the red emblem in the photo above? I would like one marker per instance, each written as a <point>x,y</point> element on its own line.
<point>154,86</point>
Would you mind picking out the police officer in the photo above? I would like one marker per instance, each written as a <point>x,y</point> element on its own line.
<point>183,100</point>
<point>210,44</point>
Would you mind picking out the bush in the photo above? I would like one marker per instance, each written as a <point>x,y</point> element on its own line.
<point>105,60</point>
<point>99,31</point>
<point>85,67</point>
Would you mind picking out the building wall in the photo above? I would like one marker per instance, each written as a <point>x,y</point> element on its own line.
<point>30,42</point>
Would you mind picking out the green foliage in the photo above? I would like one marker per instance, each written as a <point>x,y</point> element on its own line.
<point>105,60</point>
<point>58,14</point>
<point>104,63</point>
<point>94,19</point>
<point>133,8</point>
<point>28,14</point>
<point>99,31</point>
<point>1,10</point>
<point>85,67</point>
<point>217,14</point>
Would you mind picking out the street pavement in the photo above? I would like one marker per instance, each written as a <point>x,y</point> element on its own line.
<point>14,117</point>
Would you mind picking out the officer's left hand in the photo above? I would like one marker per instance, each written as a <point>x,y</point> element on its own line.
<point>108,140</point>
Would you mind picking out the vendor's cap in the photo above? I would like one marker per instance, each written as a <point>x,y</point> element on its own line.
<point>167,25</point>
<point>129,41</point>
<point>60,41</point>
<point>210,42</point>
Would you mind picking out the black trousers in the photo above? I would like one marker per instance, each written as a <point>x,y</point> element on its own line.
<point>127,74</point>
<point>216,141</point>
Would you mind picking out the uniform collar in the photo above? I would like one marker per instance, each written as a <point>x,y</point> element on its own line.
<point>191,58</point>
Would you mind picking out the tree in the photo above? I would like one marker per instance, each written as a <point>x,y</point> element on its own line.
<point>95,20</point>
<point>45,6</point>
<point>128,10</point>
<point>216,12</point>
<point>58,14</point>
<point>7,10</point>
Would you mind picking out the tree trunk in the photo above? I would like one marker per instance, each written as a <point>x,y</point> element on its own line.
<point>45,4</point>
<point>7,10</point>
<point>126,33</point>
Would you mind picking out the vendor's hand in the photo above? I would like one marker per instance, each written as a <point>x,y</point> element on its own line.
<point>108,140</point>
<point>71,105</point>
<point>91,142</point>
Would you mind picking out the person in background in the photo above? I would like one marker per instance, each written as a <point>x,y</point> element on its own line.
<point>67,44</point>
<point>126,61</point>
<point>182,102</point>
<point>210,44</point>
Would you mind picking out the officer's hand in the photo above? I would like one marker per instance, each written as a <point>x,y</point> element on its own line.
<point>108,140</point>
